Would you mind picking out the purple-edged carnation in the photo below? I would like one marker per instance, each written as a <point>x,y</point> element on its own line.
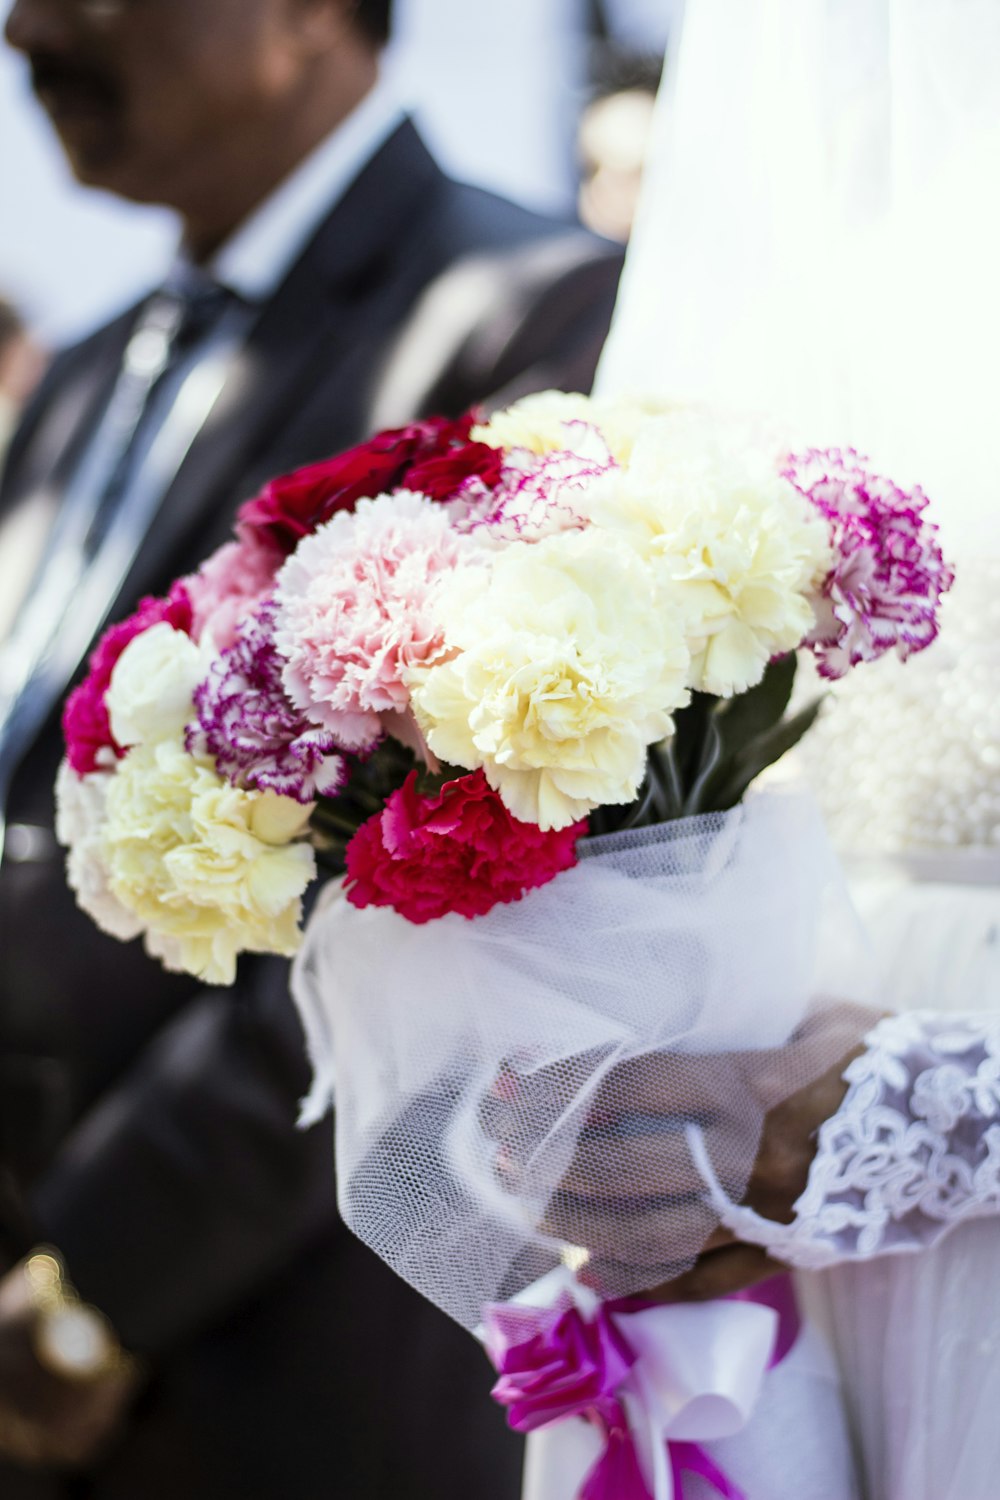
<point>535,496</point>
<point>253,732</point>
<point>884,590</point>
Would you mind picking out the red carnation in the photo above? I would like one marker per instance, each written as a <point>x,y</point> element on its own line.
<point>460,851</point>
<point>86,726</point>
<point>443,477</point>
<point>294,505</point>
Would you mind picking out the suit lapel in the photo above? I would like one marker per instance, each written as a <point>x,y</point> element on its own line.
<point>81,382</point>
<point>326,304</point>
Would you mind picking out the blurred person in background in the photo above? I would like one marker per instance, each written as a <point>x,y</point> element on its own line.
<point>627,41</point>
<point>613,135</point>
<point>206,1326</point>
<point>21,364</point>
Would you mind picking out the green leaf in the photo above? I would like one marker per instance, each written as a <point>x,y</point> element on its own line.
<point>751,714</point>
<point>714,733</point>
<point>687,743</point>
<point>763,751</point>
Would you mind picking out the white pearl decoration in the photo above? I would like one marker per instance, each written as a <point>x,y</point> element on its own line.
<point>906,756</point>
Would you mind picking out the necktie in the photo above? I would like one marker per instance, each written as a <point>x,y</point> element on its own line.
<point>100,526</point>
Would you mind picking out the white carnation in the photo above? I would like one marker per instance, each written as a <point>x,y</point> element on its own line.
<point>152,686</point>
<point>536,423</point>
<point>732,543</point>
<point>81,803</point>
<point>548,422</point>
<point>209,870</point>
<point>564,669</point>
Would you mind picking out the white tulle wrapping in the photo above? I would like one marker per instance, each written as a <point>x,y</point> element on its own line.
<point>670,959</point>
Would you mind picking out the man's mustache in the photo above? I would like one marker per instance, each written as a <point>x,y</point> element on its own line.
<point>54,76</point>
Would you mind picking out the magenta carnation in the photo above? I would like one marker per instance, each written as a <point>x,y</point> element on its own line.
<point>86,726</point>
<point>229,585</point>
<point>251,730</point>
<point>460,851</point>
<point>884,590</point>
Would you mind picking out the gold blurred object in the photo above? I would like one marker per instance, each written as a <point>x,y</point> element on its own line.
<point>102,12</point>
<point>71,1339</point>
<point>574,1258</point>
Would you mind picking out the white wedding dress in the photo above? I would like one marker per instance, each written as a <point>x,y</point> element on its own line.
<point>819,239</point>
<point>908,766</point>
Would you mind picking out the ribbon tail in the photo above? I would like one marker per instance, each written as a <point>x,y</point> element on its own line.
<point>778,1293</point>
<point>691,1458</point>
<point>617,1474</point>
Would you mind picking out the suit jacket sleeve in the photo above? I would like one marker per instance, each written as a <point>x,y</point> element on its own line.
<point>549,334</point>
<point>189,1184</point>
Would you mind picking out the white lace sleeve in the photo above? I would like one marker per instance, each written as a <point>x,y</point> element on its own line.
<point>913,1150</point>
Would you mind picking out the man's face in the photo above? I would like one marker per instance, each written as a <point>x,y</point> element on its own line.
<point>146,94</point>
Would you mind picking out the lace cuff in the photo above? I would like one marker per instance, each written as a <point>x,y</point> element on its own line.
<point>913,1150</point>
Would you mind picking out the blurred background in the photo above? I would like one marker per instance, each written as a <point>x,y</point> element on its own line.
<point>546,101</point>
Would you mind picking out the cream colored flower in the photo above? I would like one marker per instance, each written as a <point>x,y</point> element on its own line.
<point>565,669</point>
<point>733,546</point>
<point>208,869</point>
<point>539,423</point>
<point>152,686</point>
<point>80,815</point>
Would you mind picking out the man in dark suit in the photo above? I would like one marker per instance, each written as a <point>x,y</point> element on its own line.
<point>331,280</point>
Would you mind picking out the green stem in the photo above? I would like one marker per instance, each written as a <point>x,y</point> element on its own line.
<point>331,861</point>
<point>667,773</point>
<point>638,815</point>
<point>368,801</point>
<point>327,820</point>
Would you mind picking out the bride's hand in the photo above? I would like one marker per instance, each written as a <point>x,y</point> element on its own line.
<point>633,1197</point>
<point>781,1169</point>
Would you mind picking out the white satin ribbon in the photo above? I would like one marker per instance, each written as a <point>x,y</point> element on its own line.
<point>697,1379</point>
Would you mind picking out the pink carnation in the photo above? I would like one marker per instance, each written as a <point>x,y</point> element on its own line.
<point>460,851</point>
<point>354,612</point>
<point>228,587</point>
<point>884,590</point>
<point>86,726</point>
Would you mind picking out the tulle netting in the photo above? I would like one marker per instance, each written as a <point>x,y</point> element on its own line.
<point>516,1090</point>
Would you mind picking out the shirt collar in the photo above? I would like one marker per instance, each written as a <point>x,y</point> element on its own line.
<point>255,259</point>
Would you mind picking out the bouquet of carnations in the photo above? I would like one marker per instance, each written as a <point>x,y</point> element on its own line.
<point>544,654</point>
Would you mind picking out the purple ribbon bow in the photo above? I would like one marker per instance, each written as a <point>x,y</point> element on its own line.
<point>555,1363</point>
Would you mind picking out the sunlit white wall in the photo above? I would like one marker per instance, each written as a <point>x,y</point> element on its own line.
<point>497,86</point>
